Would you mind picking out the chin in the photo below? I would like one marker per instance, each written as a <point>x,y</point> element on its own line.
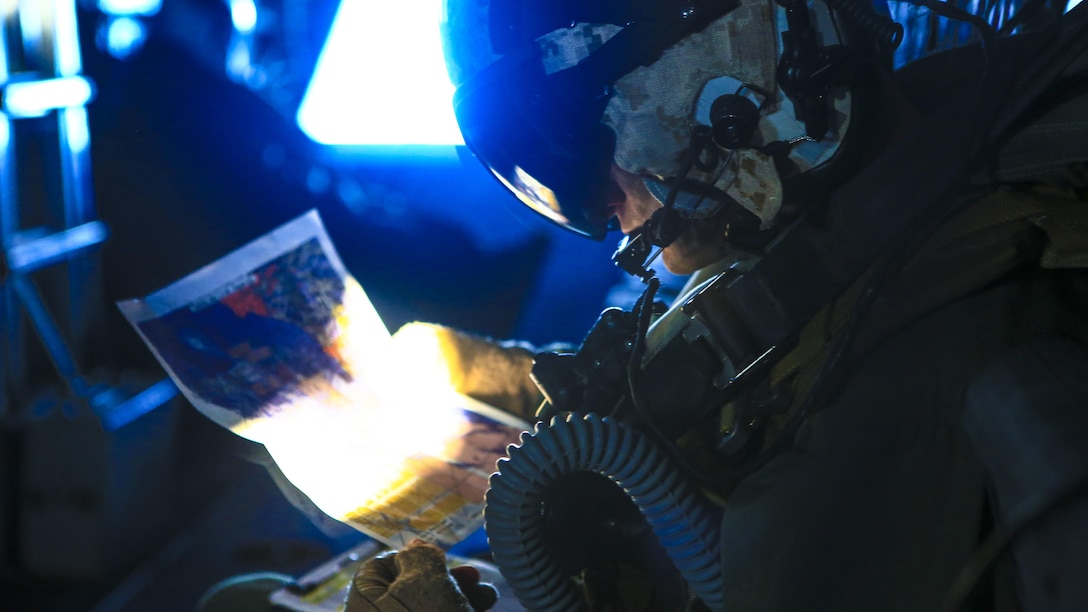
<point>697,248</point>
<point>682,261</point>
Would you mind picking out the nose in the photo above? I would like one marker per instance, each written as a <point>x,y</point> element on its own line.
<point>606,205</point>
<point>614,196</point>
<point>633,204</point>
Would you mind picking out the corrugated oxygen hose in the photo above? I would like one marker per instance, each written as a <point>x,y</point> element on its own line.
<point>512,517</point>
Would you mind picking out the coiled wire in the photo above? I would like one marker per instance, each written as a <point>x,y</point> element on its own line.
<point>860,13</point>
<point>676,513</point>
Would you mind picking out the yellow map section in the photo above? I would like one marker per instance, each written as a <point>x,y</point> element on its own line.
<point>421,499</point>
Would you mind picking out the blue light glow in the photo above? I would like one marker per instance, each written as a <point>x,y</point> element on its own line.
<point>36,98</point>
<point>116,417</point>
<point>243,14</point>
<point>125,36</point>
<point>238,65</point>
<point>130,7</point>
<point>30,22</point>
<point>381,79</point>
<point>47,250</point>
<point>1072,4</point>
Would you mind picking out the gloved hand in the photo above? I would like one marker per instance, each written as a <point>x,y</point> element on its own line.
<point>494,372</point>
<point>416,580</point>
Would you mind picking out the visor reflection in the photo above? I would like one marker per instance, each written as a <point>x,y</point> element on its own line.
<point>538,196</point>
<point>542,202</point>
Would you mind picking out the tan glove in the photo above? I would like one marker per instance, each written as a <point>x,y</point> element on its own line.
<point>416,580</point>
<point>494,372</point>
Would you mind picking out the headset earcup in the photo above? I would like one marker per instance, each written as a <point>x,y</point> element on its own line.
<point>733,121</point>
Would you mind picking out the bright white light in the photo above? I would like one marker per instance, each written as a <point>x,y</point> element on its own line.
<point>243,13</point>
<point>124,36</point>
<point>1071,5</point>
<point>75,126</point>
<point>35,18</point>
<point>381,78</point>
<point>129,7</point>
<point>36,98</point>
<point>66,43</point>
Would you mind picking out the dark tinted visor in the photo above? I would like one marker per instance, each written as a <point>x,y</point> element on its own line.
<point>542,137</point>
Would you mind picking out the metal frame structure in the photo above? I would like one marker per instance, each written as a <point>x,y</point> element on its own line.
<point>48,220</point>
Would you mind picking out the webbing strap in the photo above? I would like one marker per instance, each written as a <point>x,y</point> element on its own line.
<point>1046,148</point>
<point>1058,213</point>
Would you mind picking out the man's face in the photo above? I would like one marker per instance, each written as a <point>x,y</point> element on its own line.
<point>631,203</point>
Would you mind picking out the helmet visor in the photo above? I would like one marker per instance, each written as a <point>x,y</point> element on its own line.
<point>542,137</point>
<point>541,133</point>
